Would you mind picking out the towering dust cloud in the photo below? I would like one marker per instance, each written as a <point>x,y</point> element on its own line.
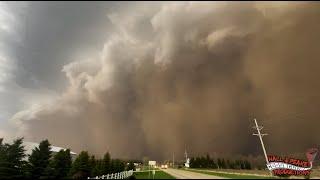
<point>195,75</point>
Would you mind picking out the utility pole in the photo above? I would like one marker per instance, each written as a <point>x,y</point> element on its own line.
<point>173,160</point>
<point>186,154</point>
<point>259,128</point>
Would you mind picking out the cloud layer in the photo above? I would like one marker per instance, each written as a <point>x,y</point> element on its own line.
<point>190,74</point>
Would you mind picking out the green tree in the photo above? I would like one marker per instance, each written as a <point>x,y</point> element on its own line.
<point>61,164</point>
<point>242,165</point>
<point>219,163</point>
<point>106,163</point>
<point>92,164</point>
<point>247,164</point>
<point>207,161</point>
<point>192,162</point>
<point>117,165</point>
<point>81,166</point>
<point>197,162</point>
<point>121,165</point>
<point>98,168</point>
<point>131,166</point>
<point>223,164</point>
<point>39,160</point>
<point>237,164</point>
<point>231,164</point>
<point>213,164</point>
<point>11,159</point>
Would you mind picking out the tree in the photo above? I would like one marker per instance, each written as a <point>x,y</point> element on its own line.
<point>198,162</point>
<point>247,164</point>
<point>131,166</point>
<point>231,164</point>
<point>39,160</point>
<point>202,162</point>
<point>219,162</point>
<point>223,164</point>
<point>92,164</point>
<point>11,159</point>
<point>121,165</point>
<point>208,162</point>
<point>61,164</point>
<point>98,168</point>
<point>81,167</point>
<point>117,165</point>
<point>192,164</point>
<point>106,163</point>
<point>213,164</point>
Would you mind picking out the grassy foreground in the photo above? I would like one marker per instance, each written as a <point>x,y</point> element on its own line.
<point>158,175</point>
<point>230,175</point>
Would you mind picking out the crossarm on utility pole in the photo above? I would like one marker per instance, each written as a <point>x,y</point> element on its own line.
<point>261,141</point>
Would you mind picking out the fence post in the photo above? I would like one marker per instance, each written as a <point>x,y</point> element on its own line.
<point>118,175</point>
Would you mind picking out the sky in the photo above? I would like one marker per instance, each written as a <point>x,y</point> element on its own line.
<point>37,40</point>
<point>139,78</point>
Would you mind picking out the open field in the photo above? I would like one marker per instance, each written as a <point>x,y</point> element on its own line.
<point>248,174</point>
<point>254,172</point>
<point>232,175</point>
<point>158,175</point>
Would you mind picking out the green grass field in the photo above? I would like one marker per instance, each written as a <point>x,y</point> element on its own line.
<point>158,175</point>
<point>231,176</point>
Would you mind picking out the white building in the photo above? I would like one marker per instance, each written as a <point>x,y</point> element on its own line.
<point>29,146</point>
<point>152,163</point>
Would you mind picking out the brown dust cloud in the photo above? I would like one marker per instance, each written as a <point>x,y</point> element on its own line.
<point>191,74</point>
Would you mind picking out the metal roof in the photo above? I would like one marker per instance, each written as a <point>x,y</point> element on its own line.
<point>29,146</point>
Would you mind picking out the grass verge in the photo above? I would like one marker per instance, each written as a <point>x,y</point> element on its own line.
<point>158,175</point>
<point>230,175</point>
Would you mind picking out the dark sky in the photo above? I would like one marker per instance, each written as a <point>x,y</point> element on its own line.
<point>147,79</point>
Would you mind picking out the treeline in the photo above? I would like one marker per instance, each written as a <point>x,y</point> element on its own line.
<point>42,163</point>
<point>219,163</point>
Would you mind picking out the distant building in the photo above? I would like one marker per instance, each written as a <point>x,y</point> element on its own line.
<point>187,163</point>
<point>152,163</point>
<point>137,164</point>
<point>29,146</point>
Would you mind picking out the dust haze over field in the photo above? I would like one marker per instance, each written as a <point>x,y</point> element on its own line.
<point>193,74</point>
